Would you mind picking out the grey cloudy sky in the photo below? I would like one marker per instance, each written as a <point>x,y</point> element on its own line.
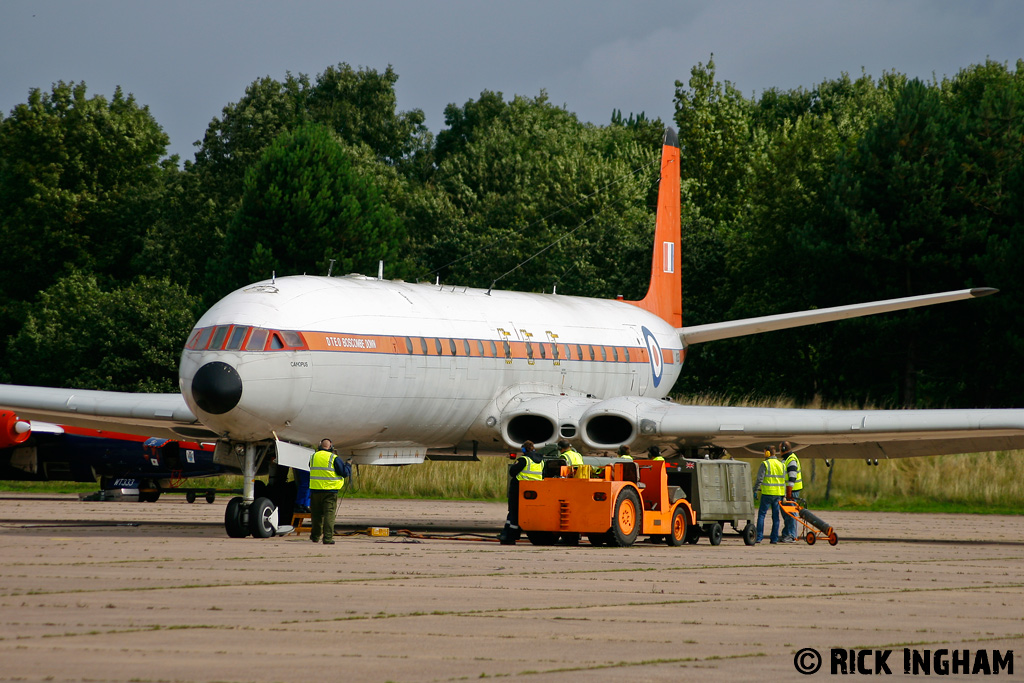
<point>187,59</point>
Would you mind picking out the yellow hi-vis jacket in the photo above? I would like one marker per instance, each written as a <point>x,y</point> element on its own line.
<point>572,457</point>
<point>774,482</point>
<point>791,458</point>
<point>534,471</point>
<point>322,476</point>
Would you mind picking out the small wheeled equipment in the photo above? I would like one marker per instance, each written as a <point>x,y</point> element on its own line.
<point>610,500</point>
<point>816,527</point>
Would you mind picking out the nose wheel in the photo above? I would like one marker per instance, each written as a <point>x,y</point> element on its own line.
<point>247,514</point>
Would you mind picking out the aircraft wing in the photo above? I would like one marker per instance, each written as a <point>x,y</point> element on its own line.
<point>160,415</point>
<point>821,433</point>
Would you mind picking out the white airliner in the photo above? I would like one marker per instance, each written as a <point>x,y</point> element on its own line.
<point>391,370</point>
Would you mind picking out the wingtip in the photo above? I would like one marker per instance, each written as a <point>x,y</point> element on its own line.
<point>670,139</point>
<point>977,292</point>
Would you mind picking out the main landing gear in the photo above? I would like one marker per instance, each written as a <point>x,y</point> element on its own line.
<point>251,514</point>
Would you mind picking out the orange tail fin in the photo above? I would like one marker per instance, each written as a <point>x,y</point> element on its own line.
<point>665,293</point>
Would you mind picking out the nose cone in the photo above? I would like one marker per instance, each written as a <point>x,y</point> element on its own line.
<point>216,388</point>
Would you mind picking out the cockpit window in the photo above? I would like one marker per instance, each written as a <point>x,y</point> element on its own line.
<point>275,342</point>
<point>219,333</point>
<point>235,340</point>
<point>257,340</point>
<point>292,338</point>
<point>204,338</point>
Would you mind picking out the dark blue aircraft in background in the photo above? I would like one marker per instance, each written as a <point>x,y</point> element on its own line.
<point>125,465</point>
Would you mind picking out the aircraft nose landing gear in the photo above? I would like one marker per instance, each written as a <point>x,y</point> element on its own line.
<point>247,514</point>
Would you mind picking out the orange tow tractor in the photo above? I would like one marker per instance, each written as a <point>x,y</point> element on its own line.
<point>610,500</point>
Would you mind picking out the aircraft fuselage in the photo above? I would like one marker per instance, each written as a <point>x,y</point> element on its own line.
<point>373,363</point>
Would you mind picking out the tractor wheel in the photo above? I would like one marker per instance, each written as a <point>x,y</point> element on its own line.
<point>680,527</point>
<point>626,518</point>
<point>542,537</point>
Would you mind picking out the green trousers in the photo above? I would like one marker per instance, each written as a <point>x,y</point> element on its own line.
<point>323,508</point>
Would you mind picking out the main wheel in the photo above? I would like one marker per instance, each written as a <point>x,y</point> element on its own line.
<point>811,537</point>
<point>262,518</point>
<point>714,532</point>
<point>236,518</point>
<point>542,537</point>
<point>750,534</point>
<point>151,494</point>
<point>680,527</point>
<point>626,518</point>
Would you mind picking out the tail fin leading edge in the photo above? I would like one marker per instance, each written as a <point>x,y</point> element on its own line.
<point>665,293</point>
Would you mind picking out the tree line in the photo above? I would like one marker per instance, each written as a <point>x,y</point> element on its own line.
<point>857,189</point>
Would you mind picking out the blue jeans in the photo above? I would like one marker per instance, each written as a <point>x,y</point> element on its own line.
<point>773,503</point>
<point>790,529</point>
<point>301,486</point>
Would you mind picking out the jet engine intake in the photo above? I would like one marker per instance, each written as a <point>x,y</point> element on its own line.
<point>542,419</point>
<point>631,420</point>
<point>535,428</point>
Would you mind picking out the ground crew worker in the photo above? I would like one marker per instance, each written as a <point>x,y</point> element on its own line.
<point>528,466</point>
<point>624,452</point>
<point>569,454</point>
<point>794,486</point>
<point>771,484</point>
<point>327,473</point>
<point>654,453</point>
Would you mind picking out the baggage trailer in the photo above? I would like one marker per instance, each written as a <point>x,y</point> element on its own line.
<point>719,492</point>
<point>628,498</point>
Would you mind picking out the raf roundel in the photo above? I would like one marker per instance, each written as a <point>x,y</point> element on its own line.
<point>654,353</point>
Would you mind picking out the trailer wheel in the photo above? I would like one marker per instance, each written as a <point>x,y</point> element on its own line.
<point>542,537</point>
<point>190,496</point>
<point>210,496</point>
<point>832,538</point>
<point>714,532</point>
<point>680,527</point>
<point>693,535</point>
<point>750,534</point>
<point>626,520</point>
<point>811,537</point>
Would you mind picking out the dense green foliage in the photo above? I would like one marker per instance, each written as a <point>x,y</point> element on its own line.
<point>854,190</point>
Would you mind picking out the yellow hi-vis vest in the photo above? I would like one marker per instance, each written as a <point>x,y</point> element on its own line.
<point>774,482</point>
<point>534,471</point>
<point>799,475</point>
<point>322,476</point>
<point>572,457</point>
